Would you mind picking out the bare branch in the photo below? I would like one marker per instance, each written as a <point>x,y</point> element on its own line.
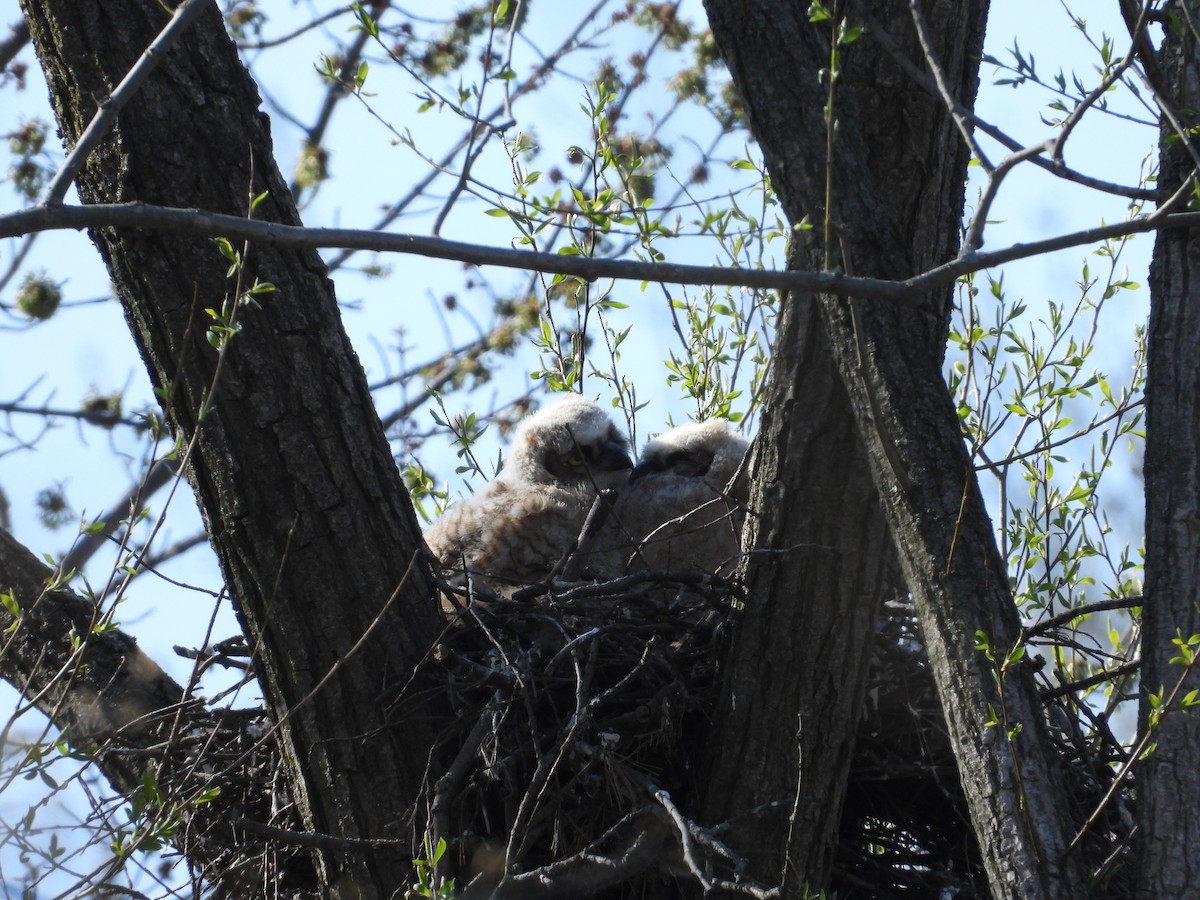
<point>1045,627</point>
<point>267,43</point>
<point>199,222</point>
<point>1074,687</point>
<point>12,45</point>
<point>100,418</point>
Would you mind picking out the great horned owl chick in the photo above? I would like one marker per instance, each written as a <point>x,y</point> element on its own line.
<point>520,525</point>
<point>683,509</point>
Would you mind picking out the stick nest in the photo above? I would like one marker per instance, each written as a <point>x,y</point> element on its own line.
<point>580,711</point>
<point>576,717</point>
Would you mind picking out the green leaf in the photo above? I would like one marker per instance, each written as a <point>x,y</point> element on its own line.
<point>850,35</point>
<point>365,22</point>
<point>225,247</point>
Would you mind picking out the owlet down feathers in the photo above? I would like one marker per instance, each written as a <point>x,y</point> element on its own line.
<point>679,512</point>
<point>520,525</point>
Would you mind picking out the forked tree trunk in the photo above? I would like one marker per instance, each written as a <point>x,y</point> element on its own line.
<point>1168,781</point>
<point>897,171</point>
<point>305,508</point>
<point>790,701</point>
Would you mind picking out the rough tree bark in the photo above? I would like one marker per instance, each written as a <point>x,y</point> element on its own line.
<point>306,510</point>
<point>793,691</point>
<point>897,175</point>
<point>110,687</point>
<point>102,691</point>
<point>790,702</point>
<point>1168,783</point>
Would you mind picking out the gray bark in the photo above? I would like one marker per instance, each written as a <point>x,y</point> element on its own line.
<point>1168,780</point>
<point>784,728</point>
<point>103,692</point>
<point>303,502</point>
<point>898,171</point>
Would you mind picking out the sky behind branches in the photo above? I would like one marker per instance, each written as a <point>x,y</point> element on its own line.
<point>86,349</point>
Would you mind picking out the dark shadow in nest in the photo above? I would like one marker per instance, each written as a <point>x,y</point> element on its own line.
<point>579,712</point>
<point>906,829</point>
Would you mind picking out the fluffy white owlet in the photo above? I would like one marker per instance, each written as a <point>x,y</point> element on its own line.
<point>680,513</point>
<point>518,527</point>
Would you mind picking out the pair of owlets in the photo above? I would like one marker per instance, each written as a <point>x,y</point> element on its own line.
<point>675,512</point>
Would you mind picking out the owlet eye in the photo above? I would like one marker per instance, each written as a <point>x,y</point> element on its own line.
<point>575,459</point>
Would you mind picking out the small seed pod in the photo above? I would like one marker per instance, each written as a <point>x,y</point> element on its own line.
<point>38,297</point>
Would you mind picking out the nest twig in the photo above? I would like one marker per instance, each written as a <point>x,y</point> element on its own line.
<point>576,713</point>
<point>575,707</point>
<point>580,702</point>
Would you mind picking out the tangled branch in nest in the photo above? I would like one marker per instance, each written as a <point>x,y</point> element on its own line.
<point>220,786</point>
<point>581,710</point>
<point>577,715</point>
<point>577,706</point>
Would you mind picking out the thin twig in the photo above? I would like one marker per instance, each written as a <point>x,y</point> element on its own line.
<point>1040,628</point>
<point>125,509</point>
<point>268,43</point>
<point>880,35</point>
<point>973,239</point>
<point>1076,115</point>
<point>533,81</point>
<point>312,839</point>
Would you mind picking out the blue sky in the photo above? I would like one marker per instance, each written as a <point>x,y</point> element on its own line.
<point>86,347</point>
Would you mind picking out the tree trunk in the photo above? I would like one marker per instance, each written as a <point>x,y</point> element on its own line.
<point>1168,784</point>
<point>102,691</point>
<point>102,686</point>
<point>303,502</point>
<point>897,173</point>
<point>791,695</point>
